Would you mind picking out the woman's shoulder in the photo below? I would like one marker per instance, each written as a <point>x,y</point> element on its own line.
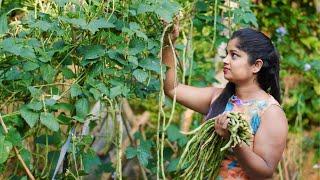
<point>272,110</point>
<point>267,104</point>
<point>275,118</point>
<point>270,101</point>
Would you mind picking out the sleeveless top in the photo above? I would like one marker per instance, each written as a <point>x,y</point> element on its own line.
<point>252,111</point>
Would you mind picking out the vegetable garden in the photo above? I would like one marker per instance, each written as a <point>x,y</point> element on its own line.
<point>81,83</point>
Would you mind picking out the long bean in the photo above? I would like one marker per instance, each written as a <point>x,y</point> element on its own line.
<point>205,150</point>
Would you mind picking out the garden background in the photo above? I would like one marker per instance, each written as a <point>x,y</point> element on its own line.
<point>80,83</point>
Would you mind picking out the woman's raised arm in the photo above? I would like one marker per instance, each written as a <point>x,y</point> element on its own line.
<point>197,99</point>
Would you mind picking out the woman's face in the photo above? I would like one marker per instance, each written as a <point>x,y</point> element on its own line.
<point>236,66</point>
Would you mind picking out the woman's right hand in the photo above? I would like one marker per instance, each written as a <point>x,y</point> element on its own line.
<point>221,125</point>
<point>174,34</point>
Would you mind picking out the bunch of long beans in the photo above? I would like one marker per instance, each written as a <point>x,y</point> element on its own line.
<point>204,152</point>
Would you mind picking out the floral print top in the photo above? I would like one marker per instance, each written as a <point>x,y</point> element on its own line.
<point>252,111</point>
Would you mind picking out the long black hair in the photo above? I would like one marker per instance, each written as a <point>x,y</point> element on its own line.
<point>257,46</point>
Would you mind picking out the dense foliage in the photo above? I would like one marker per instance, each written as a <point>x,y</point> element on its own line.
<point>60,57</point>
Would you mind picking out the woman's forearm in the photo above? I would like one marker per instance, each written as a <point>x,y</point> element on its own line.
<point>255,166</point>
<point>170,81</point>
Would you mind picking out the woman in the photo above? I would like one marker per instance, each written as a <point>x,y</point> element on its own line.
<point>251,67</point>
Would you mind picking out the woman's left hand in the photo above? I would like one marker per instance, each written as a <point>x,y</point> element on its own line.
<point>221,126</point>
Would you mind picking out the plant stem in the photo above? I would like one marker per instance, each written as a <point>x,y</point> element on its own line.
<point>119,131</point>
<point>134,144</point>
<point>161,112</point>
<point>215,24</point>
<point>175,84</point>
<point>17,152</point>
<point>74,154</point>
<point>46,156</point>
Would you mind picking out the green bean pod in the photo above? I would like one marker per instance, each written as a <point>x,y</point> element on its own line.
<point>205,150</point>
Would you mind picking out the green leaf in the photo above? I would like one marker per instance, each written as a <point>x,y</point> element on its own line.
<point>103,89</point>
<point>5,148</point>
<point>143,156</point>
<point>127,31</point>
<point>29,116</point>
<point>14,137</point>
<point>113,54</point>
<point>75,90</point>
<point>76,22</point>
<point>3,24</point>
<point>166,10</point>
<point>125,91</point>
<point>174,133</point>
<point>87,139</point>
<point>249,17</point>
<point>146,144</point>
<point>50,102</point>
<point>27,52</point>
<point>79,119</point>
<point>14,120</point>
<point>64,119</point>
<point>15,46</point>
<point>63,106</point>
<point>35,105</point>
<point>54,139</point>
<point>245,4</point>
<point>95,25</point>
<point>143,8</point>
<point>183,141</point>
<point>142,35</point>
<point>140,75</point>
<point>42,25</point>
<point>33,42</point>
<point>201,6</point>
<point>114,39</point>
<point>90,160</point>
<point>13,74</point>
<point>96,93</point>
<point>53,157</point>
<point>138,136</point>
<point>105,167</point>
<point>131,152</point>
<point>27,157</point>
<point>136,46</point>
<point>94,51</point>
<point>35,93</point>
<point>30,66</point>
<point>49,121</point>
<point>311,42</point>
<point>82,107</point>
<point>152,64</point>
<point>11,46</point>
<point>134,61</point>
<point>152,45</point>
<point>45,56</point>
<point>61,3</point>
<point>48,73</point>
<point>167,153</point>
<point>115,91</point>
<point>173,165</point>
<point>25,177</point>
<point>134,26</point>
<point>67,73</point>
